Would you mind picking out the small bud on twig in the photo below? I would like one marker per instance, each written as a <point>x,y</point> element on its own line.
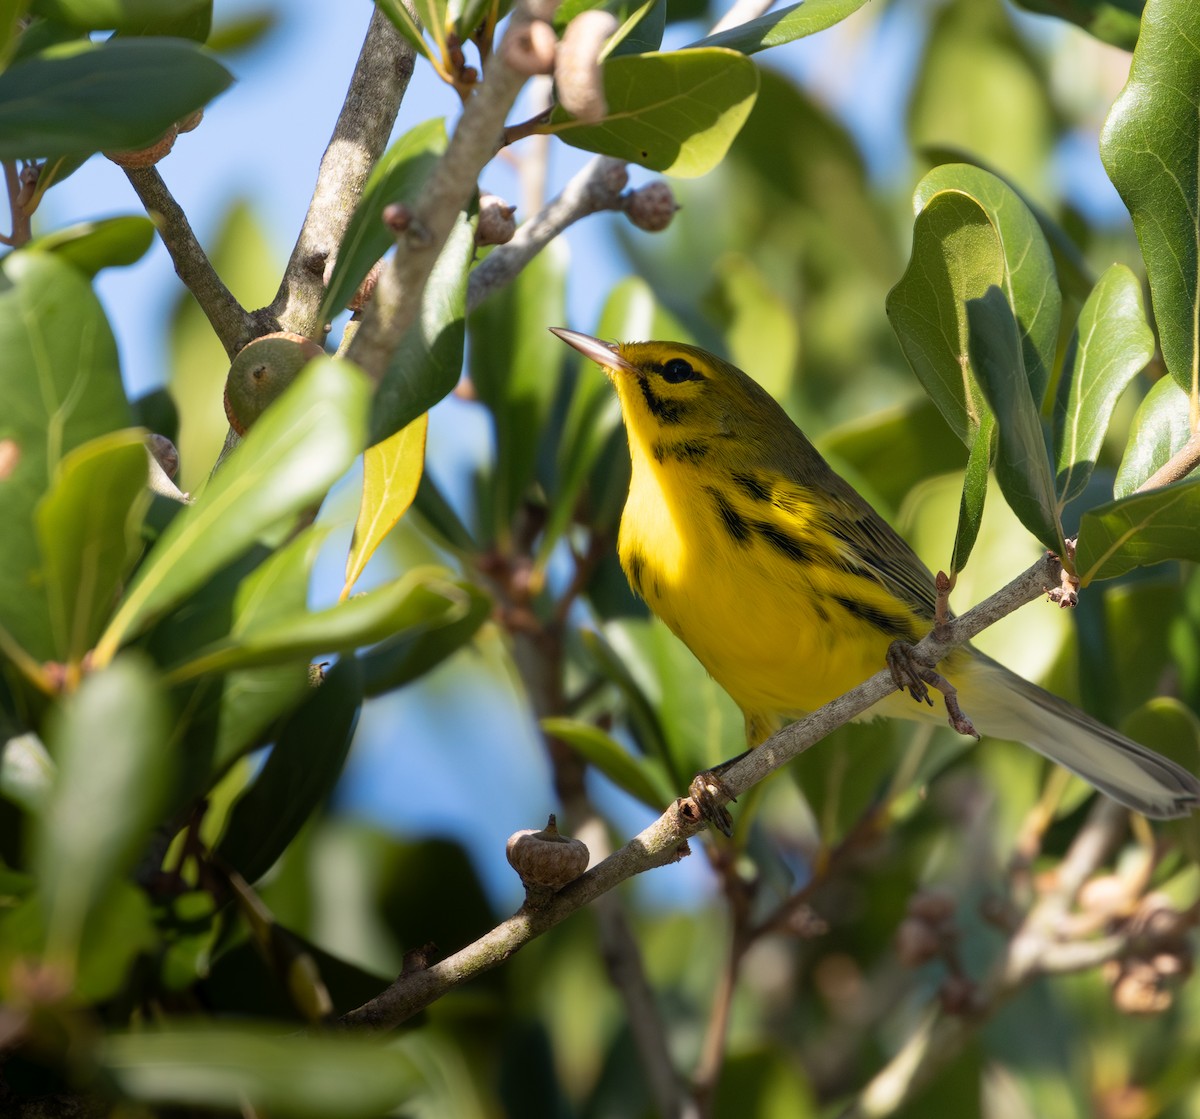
<point>651,207</point>
<point>496,223</point>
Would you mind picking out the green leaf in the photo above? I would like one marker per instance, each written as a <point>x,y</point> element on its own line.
<point>92,245</point>
<point>299,774</point>
<point>400,16</point>
<point>1110,21</point>
<point>974,493</point>
<point>775,28</point>
<point>676,112</point>
<point>88,529</point>
<point>645,779</point>
<point>416,650</point>
<point>428,362</point>
<point>111,744</point>
<point>52,327</point>
<point>140,17</point>
<point>1151,150</point>
<point>391,474</point>
<point>1111,344</point>
<point>1161,426</point>
<point>83,97</point>
<point>641,30</point>
<point>1138,531</point>
<point>514,365</point>
<point>289,459</point>
<point>415,599</point>
<point>1023,463</point>
<point>466,16</point>
<point>279,1073</point>
<point>11,13</point>
<point>397,177</point>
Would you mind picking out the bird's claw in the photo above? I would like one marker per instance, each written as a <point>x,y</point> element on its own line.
<point>908,674</point>
<point>710,795</point>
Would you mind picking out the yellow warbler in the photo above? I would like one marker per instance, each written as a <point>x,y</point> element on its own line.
<point>789,588</point>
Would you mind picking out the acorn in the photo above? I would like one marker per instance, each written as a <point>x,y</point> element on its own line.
<point>496,222</point>
<point>651,207</point>
<point>546,860</point>
<point>191,122</point>
<point>147,156</point>
<point>261,371</point>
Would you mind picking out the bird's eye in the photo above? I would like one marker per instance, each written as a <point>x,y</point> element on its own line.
<point>677,370</point>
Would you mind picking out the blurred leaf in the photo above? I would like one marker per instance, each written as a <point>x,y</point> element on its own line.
<point>11,13</point>
<point>1151,150</point>
<point>896,448</point>
<point>642,778</point>
<point>514,361</point>
<point>52,326</point>
<point>1173,730</point>
<point>766,1084</point>
<point>92,245</point>
<point>299,774</point>
<point>1111,21</point>
<point>439,517</point>
<point>289,459</point>
<point>676,112</point>
<point>1023,462</point>
<point>641,30</point>
<point>428,362</point>
<point>397,177</point>
<point>87,526</point>
<point>241,31</point>
<point>1138,531</point>
<point>155,411</point>
<point>466,16</point>
<point>232,1067</point>
<point>1160,428</point>
<point>419,648</point>
<point>981,87</point>
<point>643,715</point>
<point>83,97</point>
<point>391,474</point>
<point>783,26</point>
<point>26,771</point>
<point>398,12</point>
<point>1111,344</point>
<point>111,745</point>
<point>415,599</point>
<point>250,269</point>
<point>139,17</point>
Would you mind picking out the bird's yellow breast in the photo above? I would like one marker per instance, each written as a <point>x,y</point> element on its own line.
<point>739,571</point>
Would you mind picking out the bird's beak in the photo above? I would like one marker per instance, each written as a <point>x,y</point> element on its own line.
<point>602,353</point>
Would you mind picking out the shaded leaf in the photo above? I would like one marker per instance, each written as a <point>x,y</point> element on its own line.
<point>397,177</point>
<point>642,778</point>
<point>391,474</point>
<point>1161,426</point>
<point>420,648</point>
<point>293,454</point>
<point>1110,345</point>
<point>228,1067</point>
<point>139,17</point>
<point>299,774</point>
<point>676,112</point>
<point>88,529</point>
<point>53,329</point>
<point>1110,21</point>
<point>974,493</point>
<point>92,245</point>
<point>111,747</point>
<point>1151,150</point>
<point>1138,531</point>
<point>783,26</point>
<point>84,97</point>
<point>428,362</point>
<point>1023,462</point>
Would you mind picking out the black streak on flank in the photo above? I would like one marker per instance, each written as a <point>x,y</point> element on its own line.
<point>665,411</point>
<point>731,520</point>
<point>637,564</point>
<point>688,451</point>
<point>888,624</point>
<point>754,488</point>
<point>781,541</point>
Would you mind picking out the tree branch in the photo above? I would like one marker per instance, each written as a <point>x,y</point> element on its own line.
<point>1178,466</point>
<point>665,840</point>
<point>373,97</point>
<point>596,187</point>
<point>476,139</point>
<point>231,323</point>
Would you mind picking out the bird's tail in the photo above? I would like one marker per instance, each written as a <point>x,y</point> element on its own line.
<point>1004,705</point>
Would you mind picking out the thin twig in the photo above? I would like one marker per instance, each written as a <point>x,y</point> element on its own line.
<point>373,97</point>
<point>596,187</point>
<point>1178,466</point>
<point>476,139</point>
<point>233,325</point>
<point>665,840</point>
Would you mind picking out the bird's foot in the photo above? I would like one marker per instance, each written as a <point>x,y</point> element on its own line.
<point>710,795</point>
<point>910,675</point>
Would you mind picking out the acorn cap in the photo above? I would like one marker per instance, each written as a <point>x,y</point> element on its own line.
<point>261,371</point>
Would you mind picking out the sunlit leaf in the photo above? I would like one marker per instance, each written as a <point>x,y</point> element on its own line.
<point>1160,428</point>
<point>1138,531</point>
<point>782,26</point>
